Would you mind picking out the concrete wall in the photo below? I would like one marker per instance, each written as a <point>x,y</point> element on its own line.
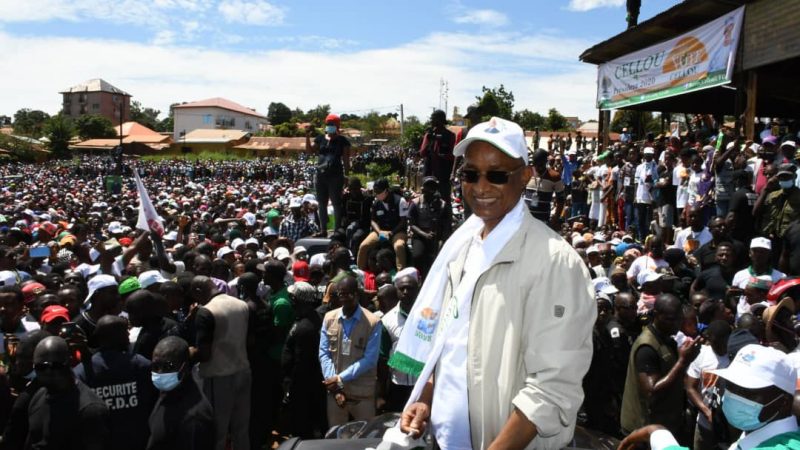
<point>189,119</point>
<point>105,104</point>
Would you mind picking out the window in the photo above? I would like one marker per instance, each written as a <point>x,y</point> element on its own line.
<point>95,106</point>
<point>115,99</point>
<point>247,125</point>
<point>226,122</point>
<point>208,119</point>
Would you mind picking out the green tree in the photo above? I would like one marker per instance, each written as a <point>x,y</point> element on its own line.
<point>29,122</point>
<point>317,114</point>
<point>278,113</point>
<point>637,122</point>
<point>413,132</point>
<point>93,126</point>
<point>555,121</point>
<point>288,129</point>
<point>59,131</point>
<point>167,124</point>
<point>529,120</point>
<point>145,116</point>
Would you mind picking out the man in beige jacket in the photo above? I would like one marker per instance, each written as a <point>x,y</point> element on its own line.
<point>514,353</point>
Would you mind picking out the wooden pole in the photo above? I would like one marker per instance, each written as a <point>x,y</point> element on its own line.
<point>601,127</point>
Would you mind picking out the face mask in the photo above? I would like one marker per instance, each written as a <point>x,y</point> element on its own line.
<point>330,129</point>
<point>743,413</point>
<point>165,382</point>
<point>31,375</point>
<point>786,184</point>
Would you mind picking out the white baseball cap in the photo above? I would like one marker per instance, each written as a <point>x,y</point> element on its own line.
<point>572,152</point>
<point>761,242</point>
<point>150,278</point>
<point>507,136</point>
<point>281,253</point>
<point>309,198</point>
<point>236,243</point>
<point>115,227</point>
<point>223,251</point>
<point>99,282</point>
<point>252,240</point>
<point>8,278</point>
<point>603,285</point>
<point>647,276</point>
<point>592,249</point>
<point>789,144</point>
<point>299,249</point>
<point>649,151</point>
<point>249,219</point>
<point>757,367</point>
<point>295,202</point>
<point>171,236</point>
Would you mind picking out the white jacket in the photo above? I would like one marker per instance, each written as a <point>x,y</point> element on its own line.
<point>530,336</point>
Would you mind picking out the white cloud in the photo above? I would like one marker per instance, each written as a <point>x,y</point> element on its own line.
<point>136,12</point>
<point>486,17</point>
<point>542,71</point>
<point>251,12</point>
<point>587,5</point>
<point>164,37</point>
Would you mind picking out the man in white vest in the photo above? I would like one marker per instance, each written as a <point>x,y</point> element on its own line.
<point>221,350</point>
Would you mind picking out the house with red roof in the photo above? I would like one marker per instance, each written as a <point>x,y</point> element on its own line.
<point>215,113</point>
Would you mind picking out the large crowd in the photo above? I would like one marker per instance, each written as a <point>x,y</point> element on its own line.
<point>253,316</point>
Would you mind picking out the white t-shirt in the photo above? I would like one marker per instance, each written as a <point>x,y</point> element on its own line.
<point>700,369</point>
<point>645,262</point>
<point>703,237</point>
<point>682,193</point>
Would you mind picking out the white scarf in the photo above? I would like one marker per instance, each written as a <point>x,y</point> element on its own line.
<point>417,351</point>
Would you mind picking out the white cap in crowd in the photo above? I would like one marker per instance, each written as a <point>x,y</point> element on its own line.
<point>761,242</point>
<point>150,278</point>
<point>756,367</point>
<point>99,282</point>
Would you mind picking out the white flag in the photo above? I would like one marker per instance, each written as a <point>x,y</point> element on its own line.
<point>149,220</point>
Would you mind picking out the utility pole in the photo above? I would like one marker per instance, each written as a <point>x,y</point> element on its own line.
<point>402,121</point>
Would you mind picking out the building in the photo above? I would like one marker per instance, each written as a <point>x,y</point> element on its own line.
<point>573,122</point>
<point>137,139</point>
<point>215,113</point>
<point>210,140</point>
<point>273,146</point>
<point>99,97</point>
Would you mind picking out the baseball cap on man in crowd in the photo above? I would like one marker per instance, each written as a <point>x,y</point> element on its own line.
<point>507,136</point>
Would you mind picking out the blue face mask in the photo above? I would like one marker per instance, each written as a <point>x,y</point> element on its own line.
<point>165,382</point>
<point>31,375</point>
<point>787,184</point>
<point>743,413</point>
<point>330,129</point>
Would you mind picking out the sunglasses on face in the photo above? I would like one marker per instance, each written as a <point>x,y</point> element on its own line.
<point>47,365</point>
<point>492,176</point>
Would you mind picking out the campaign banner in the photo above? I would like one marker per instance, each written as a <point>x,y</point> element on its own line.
<point>699,59</point>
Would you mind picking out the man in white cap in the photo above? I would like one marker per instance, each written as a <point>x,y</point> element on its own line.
<point>646,176</point>
<point>498,361</point>
<point>760,264</point>
<point>103,299</point>
<point>296,225</point>
<point>759,392</point>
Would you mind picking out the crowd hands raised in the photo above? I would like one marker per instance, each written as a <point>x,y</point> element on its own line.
<point>692,244</point>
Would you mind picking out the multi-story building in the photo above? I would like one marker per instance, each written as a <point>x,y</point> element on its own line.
<point>215,113</point>
<point>99,97</point>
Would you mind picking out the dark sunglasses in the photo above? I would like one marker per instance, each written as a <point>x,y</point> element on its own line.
<point>47,365</point>
<point>165,366</point>
<point>492,176</point>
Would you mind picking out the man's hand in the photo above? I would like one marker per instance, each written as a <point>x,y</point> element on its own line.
<point>689,350</point>
<point>415,419</point>
<point>638,437</point>
<point>332,383</point>
<point>340,399</point>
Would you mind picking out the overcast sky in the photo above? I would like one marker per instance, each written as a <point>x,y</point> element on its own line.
<point>356,56</point>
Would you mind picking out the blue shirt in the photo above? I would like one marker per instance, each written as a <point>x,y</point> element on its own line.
<point>569,167</point>
<point>358,368</point>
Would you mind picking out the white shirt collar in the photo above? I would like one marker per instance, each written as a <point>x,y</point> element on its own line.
<point>772,429</point>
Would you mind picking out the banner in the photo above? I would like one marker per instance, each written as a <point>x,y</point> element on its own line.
<point>149,219</point>
<point>699,59</point>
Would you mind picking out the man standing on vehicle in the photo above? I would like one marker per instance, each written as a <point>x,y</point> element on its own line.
<point>333,160</point>
<point>500,364</point>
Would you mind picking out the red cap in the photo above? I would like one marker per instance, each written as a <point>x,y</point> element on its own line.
<point>30,291</point>
<point>333,118</point>
<point>301,271</point>
<point>780,287</point>
<point>125,242</point>
<point>48,227</point>
<point>54,311</point>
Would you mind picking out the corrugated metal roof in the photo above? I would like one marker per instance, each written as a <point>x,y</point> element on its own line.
<point>274,143</point>
<point>206,135</point>
<point>96,85</point>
